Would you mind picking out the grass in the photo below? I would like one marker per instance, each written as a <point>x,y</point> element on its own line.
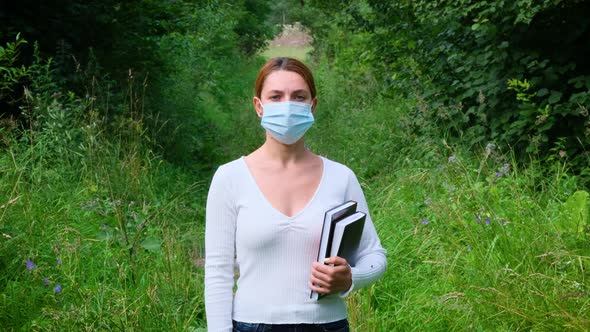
<point>475,242</point>
<point>297,52</point>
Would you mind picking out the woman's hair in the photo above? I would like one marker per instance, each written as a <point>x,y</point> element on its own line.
<point>288,64</point>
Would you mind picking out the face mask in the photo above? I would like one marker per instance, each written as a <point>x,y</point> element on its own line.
<point>287,121</point>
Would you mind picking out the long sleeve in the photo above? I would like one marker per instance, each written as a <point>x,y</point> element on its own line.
<point>220,233</point>
<point>370,261</point>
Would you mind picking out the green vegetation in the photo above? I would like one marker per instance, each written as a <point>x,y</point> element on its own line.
<point>297,52</point>
<point>513,73</point>
<point>104,170</point>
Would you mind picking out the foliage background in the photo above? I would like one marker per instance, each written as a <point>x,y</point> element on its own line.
<point>466,123</point>
<point>512,73</point>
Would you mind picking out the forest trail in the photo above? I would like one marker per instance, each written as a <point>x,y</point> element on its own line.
<point>293,41</point>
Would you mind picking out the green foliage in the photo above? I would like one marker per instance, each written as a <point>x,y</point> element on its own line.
<point>97,231</point>
<point>575,214</point>
<point>457,57</point>
<point>177,53</point>
<point>252,26</point>
<point>11,74</point>
<point>475,241</point>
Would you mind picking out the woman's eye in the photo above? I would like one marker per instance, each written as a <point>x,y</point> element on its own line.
<point>300,98</point>
<point>275,97</point>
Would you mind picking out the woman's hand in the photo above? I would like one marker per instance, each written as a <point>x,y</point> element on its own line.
<point>331,278</point>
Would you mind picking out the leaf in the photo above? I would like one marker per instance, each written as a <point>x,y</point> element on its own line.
<point>542,92</point>
<point>104,235</point>
<point>151,243</point>
<point>555,97</point>
<point>575,213</point>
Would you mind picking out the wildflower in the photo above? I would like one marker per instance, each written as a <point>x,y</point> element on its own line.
<point>506,168</point>
<point>58,261</point>
<point>453,188</point>
<point>425,221</point>
<point>468,248</point>
<point>45,282</point>
<point>499,174</point>
<point>452,158</point>
<point>490,148</point>
<point>30,265</point>
<point>487,221</point>
<point>57,289</point>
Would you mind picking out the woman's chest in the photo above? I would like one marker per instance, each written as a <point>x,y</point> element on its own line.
<point>288,192</point>
<point>259,226</point>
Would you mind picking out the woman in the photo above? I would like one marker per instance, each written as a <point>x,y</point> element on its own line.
<point>267,209</point>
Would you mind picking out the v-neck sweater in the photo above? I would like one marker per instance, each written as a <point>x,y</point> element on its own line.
<point>274,252</point>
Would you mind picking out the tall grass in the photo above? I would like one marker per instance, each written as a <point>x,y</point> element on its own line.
<point>98,233</point>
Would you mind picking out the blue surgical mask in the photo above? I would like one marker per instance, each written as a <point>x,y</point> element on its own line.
<point>287,121</point>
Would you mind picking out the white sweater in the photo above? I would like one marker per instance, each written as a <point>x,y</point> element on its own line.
<point>274,252</point>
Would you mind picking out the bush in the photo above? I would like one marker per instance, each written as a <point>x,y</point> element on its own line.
<point>459,57</point>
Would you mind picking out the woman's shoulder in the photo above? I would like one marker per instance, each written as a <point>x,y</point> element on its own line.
<point>230,169</point>
<point>336,167</point>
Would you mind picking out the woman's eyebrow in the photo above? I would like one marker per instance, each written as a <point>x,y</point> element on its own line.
<point>299,91</point>
<point>273,92</point>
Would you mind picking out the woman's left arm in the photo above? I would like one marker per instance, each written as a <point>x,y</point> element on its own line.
<point>367,265</point>
<point>370,261</point>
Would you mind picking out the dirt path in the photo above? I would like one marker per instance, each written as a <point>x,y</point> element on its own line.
<point>292,35</point>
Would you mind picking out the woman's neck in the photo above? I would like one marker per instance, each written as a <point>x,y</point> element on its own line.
<point>284,154</point>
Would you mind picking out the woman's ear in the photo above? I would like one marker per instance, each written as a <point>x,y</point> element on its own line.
<point>258,106</point>
<point>314,104</point>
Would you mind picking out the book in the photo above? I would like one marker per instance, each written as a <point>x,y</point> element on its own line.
<point>331,218</point>
<point>347,236</point>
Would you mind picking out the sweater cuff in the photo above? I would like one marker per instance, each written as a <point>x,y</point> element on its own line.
<point>344,294</point>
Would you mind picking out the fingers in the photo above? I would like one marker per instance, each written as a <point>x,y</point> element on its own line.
<point>318,289</point>
<point>336,261</point>
<point>326,279</point>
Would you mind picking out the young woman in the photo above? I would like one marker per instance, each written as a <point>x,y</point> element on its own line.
<point>265,212</point>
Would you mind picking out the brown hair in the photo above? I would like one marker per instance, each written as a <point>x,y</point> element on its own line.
<point>288,64</point>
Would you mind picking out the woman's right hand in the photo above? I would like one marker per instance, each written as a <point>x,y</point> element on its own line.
<point>335,275</point>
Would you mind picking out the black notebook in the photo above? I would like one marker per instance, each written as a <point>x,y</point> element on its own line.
<point>347,236</point>
<point>331,218</point>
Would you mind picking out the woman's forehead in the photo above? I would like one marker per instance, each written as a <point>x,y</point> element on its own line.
<point>284,80</point>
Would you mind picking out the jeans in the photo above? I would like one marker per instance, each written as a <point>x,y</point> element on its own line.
<point>338,326</point>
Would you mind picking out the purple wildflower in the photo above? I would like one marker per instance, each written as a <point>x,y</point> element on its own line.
<point>30,265</point>
<point>499,174</point>
<point>58,261</point>
<point>45,282</point>
<point>425,221</point>
<point>487,221</point>
<point>57,289</point>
